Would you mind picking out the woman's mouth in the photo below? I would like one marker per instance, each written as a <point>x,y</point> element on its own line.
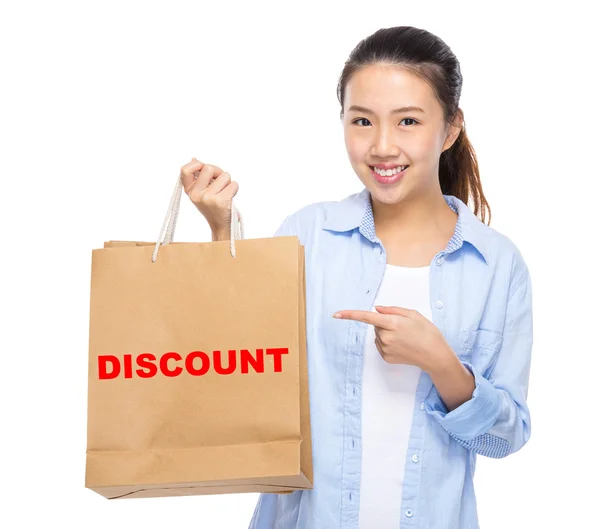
<point>396,174</point>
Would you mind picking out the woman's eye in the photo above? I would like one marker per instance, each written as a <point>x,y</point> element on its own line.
<point>409,119</point>
<point>360,119</point>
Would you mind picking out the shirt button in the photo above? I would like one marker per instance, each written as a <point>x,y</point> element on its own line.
<point>415,458</point>
<point>439,304</point>
<point>408,513</point>
<point>422,406</point>
<point>439,260</point>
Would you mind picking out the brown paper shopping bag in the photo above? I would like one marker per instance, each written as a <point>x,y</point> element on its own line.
<point>198,380</point>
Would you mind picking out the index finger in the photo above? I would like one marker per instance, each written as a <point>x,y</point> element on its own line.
<point>366,316</point>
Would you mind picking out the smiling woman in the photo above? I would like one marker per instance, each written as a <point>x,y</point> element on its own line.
<point>427,365</point>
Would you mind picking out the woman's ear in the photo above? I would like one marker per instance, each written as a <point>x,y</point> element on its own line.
<point>455,129</point>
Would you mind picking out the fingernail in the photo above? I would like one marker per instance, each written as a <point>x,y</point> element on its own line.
<point>337,315</point>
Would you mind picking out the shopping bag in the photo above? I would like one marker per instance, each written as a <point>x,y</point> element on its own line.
<point>198,379</point>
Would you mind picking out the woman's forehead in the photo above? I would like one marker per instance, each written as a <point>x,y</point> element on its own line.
<point>389,91</point>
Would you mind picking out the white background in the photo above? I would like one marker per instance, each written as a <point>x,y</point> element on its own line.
<point>102,102</point>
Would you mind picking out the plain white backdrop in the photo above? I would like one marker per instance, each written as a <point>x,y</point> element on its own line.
<point>103,102</point>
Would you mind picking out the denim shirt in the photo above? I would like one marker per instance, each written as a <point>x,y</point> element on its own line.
<point>481,301</point>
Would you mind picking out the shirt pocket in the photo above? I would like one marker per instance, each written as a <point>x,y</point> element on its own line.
<point>481,347</point>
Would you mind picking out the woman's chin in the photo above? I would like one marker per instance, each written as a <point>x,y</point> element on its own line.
<point>386,195</point>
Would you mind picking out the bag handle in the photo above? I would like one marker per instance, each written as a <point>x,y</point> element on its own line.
<point>167,231</point>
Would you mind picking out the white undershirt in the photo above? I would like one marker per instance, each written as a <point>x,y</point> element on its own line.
<point>388,398</point>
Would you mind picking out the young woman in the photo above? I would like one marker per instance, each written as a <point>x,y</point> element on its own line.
<point>425,363</point>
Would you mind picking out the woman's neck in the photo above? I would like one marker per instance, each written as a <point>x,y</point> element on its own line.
<point>414,221</point>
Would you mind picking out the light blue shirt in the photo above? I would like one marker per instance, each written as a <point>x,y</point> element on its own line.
<point>481,302</point>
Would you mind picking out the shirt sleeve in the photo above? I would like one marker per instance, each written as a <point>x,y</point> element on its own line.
<point>496,421</point>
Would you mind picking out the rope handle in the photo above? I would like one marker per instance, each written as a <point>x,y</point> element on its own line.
<point>167,231</point>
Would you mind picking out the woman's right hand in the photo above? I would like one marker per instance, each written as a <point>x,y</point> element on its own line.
<point>211,190</point>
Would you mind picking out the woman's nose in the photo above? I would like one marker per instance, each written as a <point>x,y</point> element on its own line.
<point>384,144</point>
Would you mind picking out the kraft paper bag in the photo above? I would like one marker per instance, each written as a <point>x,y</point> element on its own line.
<point>198,379</point>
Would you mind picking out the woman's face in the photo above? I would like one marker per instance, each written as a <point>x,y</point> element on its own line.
<point>381,136</point>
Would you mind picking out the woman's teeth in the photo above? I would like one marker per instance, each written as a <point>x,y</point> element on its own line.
<point>390,172</point>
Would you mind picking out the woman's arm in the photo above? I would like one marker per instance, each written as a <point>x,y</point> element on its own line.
<point>453,380</point>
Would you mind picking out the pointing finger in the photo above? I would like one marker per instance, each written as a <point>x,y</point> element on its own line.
<point>372,318</point>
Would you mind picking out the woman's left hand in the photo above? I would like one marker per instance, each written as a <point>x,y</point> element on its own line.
<point>405,336</point>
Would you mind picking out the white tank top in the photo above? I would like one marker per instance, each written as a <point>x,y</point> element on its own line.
<point>388,398</point>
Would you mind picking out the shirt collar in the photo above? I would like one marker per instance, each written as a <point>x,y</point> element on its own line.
<point>356,211</point>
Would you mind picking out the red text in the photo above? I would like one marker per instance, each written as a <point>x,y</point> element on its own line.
<point>196,363</point>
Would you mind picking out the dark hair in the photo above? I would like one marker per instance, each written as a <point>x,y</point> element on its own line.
<point>429,57</point>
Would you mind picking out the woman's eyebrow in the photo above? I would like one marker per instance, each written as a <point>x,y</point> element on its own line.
<point>395,111</point>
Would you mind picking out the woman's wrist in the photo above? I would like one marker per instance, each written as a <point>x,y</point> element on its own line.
<point>220,236</point>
